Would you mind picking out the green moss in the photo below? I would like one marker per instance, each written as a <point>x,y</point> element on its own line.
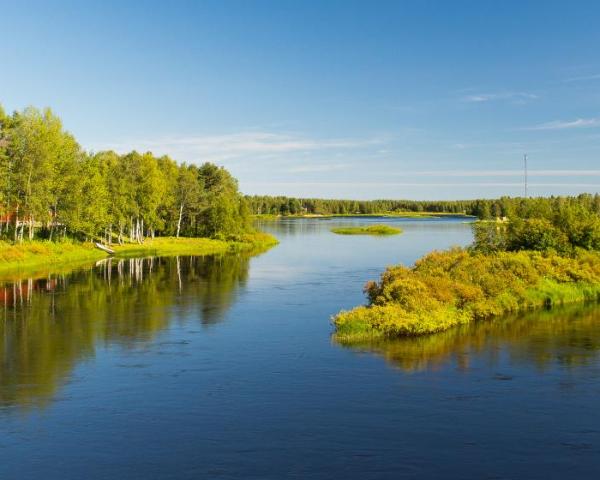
<point>367,230</point>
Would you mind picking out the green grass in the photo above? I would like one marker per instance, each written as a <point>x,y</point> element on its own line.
<point>169,246</point>
<point>447,289</point>
<point>367,230</point>
<point>40,255</point>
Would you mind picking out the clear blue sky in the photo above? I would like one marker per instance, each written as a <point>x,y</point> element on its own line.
<point>341,99</point>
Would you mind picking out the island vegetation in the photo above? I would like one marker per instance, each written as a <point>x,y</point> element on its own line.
<point>545,258</point>
<point>55,198</point>
<point>367,230</point>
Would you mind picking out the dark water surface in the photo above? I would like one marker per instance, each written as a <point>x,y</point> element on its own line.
<point>223,367</point>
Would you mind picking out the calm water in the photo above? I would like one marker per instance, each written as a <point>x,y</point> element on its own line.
<point>224,368</point>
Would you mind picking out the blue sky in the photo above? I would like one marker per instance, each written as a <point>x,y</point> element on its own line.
<point>347,99</point>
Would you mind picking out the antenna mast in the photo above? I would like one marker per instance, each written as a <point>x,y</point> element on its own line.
<point>525,171</point>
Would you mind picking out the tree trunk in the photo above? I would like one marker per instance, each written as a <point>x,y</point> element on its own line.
<point>16,223</point>
<point>179,221</point>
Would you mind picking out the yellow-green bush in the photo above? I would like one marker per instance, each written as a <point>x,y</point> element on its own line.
<point>453,287</point>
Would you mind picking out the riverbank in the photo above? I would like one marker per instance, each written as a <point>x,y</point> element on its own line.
<point>37,254</point>
<point>455,287</point>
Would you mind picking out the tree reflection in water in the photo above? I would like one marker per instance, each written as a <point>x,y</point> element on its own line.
<point>568,337</point>
<point>50,324</point>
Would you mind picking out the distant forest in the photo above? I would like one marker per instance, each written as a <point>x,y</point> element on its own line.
<point>515,207</point>
<point>51,188</point>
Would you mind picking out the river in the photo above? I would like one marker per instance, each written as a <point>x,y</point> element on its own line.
<point>224,367</point>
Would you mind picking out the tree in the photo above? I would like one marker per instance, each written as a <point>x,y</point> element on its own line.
<point>88,205</point>
<point>189,193</point>
<point>42,156</point>
<point>223,215</point>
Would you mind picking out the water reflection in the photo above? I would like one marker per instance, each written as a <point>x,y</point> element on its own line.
<point>565,338</point>
<point>48,325</point>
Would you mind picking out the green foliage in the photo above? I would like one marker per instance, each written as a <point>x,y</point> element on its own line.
<point>445,289</point>
<point>555,224</point>
<point>37,162</point>
<point>367,230</point>
<point>484,209</point>
<point>225,213</point>
<point>266,205</point>
<point>49,185</point>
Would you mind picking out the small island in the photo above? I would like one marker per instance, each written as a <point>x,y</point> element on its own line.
<point>367,230</point>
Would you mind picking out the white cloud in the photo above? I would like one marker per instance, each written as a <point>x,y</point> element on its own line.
<point>488,97</point>
<point>216,148</point>
<point>563,125</point>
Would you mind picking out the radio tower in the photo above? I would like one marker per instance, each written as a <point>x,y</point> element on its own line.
<point>525,171</point>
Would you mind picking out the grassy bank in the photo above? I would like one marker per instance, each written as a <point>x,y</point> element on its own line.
<point>367,230</point>
<point>170,246</point>
<point>455,287</point>
<point>37,254</point>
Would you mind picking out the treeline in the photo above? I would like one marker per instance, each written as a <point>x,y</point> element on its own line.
<point>50,187</point>
<point>484,209</point>
<point>562,225</point>
<point>266,205</point>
